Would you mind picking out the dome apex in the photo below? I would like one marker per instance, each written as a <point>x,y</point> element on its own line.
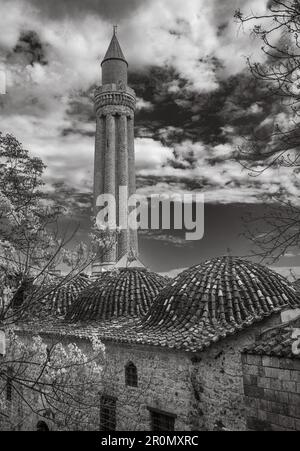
<point>219,296</point>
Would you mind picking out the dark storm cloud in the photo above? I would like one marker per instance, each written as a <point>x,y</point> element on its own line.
<point>81,114</point>
<point>30,48</point>
<point>239,106</point>
<point>111,9</point>
<point>182,114</point>
<point>177,110</point>
<point>71,199</point>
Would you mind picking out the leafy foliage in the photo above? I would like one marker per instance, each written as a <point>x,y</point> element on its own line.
<point>53,380</point>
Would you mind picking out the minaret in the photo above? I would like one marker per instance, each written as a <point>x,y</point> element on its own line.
<point>114,147</point>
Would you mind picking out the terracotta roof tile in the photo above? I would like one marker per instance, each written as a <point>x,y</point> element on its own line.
<point>201,306</point>
<point>277,342</point>
<point>64,294</point>
<point>118,293</point>
<point>211,301</point>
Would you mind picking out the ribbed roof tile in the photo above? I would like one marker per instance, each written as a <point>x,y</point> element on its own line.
<point>124,292</point>
<point>212,301</point>
<point>202,306</point>
<point>63,294</point>
<point>277,342</point>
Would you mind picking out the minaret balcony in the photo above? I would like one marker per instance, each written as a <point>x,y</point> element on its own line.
<point>114,95</point>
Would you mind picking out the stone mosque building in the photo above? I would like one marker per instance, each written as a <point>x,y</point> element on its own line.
<point>176,349</point>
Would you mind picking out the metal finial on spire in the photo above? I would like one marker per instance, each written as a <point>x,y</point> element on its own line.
<point>115,29</point>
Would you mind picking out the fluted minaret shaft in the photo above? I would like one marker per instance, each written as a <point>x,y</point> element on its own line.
<point>114,151</point>
<point>99,159</point>
<point>122,177</point>
<point>110,180</point>
<point>133,239</point>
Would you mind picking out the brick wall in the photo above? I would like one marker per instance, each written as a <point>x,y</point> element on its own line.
<point>113,71</point>
<point>272,393</point>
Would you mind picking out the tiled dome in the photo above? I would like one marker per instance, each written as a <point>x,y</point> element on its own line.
<point>126,292</point>
<point>211,301</point>
<point>61,299</point>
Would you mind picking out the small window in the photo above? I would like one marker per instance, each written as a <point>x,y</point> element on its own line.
<point>131,378</point>
<point>162,421</point>
<point>108,413</point>
<point>9,384</point>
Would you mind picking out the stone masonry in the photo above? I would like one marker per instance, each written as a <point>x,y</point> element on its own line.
<point>218,381</point>
<point>272,393</point>
<point>164,383</point>
<point>203,391</point>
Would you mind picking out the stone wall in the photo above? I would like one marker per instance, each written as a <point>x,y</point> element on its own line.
<point>164,383</point>
<point>272,393</point>
<point>204,391</point>
<point>219,395</point>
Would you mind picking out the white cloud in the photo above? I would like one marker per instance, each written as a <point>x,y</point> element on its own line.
<point>151,155</point>
<point>142,104</point>
<point>183,35</point>
<point>162,32</point>
<point>218,175</point>
<point>68,158</point>
<point>194,27</point>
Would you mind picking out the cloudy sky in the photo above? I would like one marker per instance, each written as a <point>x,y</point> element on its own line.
<point>196,104</point>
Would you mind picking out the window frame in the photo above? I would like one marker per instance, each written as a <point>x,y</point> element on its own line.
<point>162,413</point>
<point>110,412</point>
<point>131,375</point>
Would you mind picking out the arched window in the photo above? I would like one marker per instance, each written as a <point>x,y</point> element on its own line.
<point>42,426</point>
<point>131,377</point>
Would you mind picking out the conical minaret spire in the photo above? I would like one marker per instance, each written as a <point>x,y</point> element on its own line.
<point>114,147</point>
<point>114,65</point>
<point>114,51</point>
